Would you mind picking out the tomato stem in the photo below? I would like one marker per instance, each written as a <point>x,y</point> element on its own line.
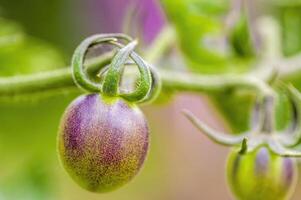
<point>177,80</point>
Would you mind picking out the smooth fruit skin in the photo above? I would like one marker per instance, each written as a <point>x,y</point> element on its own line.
<point>261,175</point>
<point>102,141</point>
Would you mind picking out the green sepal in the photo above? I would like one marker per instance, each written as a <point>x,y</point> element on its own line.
<point>79,75</point>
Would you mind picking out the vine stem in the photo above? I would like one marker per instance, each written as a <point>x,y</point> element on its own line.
<point>61,79</point>
<point>211,83</point>
<point>181,81</point>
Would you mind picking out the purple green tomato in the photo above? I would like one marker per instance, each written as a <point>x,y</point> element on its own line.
<point>102,141</point>
<point>261,175</point>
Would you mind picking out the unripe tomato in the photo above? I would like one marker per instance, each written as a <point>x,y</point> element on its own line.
<point>261,175</point>
<point>102,142</point>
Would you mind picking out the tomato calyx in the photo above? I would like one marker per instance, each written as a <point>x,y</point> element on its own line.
<point>147,85</point>
<point>263,131</point>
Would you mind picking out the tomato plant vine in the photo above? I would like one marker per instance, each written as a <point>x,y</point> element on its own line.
<point>103,137</point>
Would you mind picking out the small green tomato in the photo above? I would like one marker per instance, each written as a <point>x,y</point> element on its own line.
<point>261,175</point>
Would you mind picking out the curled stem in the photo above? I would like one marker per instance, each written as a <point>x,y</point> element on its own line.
<point>111,81</point>
<point>280,150</point>
<point>79,75</point>
<point>144,86</point>
<point>156,86</point>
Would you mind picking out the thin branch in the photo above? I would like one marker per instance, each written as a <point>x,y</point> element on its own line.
<point>181,81</point>
<point>218,137</point>
<point>282,151</point>
<point>56,79</point>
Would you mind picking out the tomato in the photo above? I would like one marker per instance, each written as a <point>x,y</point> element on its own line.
<point>102,141</point>
<point>261,175</point>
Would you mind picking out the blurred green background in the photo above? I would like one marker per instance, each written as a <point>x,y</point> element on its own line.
<point>38,35</point>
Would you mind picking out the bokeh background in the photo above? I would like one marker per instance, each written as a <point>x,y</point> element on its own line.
<point>39,35</point>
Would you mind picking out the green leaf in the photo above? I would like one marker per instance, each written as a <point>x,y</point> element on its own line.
<point>21,54</point>
<point>236,109</point>
<point>200,29</point>
<point>28,128</point>
<point>240,39</point>
<point>200,26</point>
<point>201,32</point>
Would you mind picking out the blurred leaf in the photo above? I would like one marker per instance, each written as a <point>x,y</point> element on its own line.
<point>285,2</point>
<point>20,54</point>
<point>52,21</point>
<point>283,110</point>
<point>200,25</point>
<point>240,38</point>
<point>288,15</point>
<point>28,148</point>
<point>28,128</point>
<point>236,108</point>
<point>33,182</point>
<point>291,19</point>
